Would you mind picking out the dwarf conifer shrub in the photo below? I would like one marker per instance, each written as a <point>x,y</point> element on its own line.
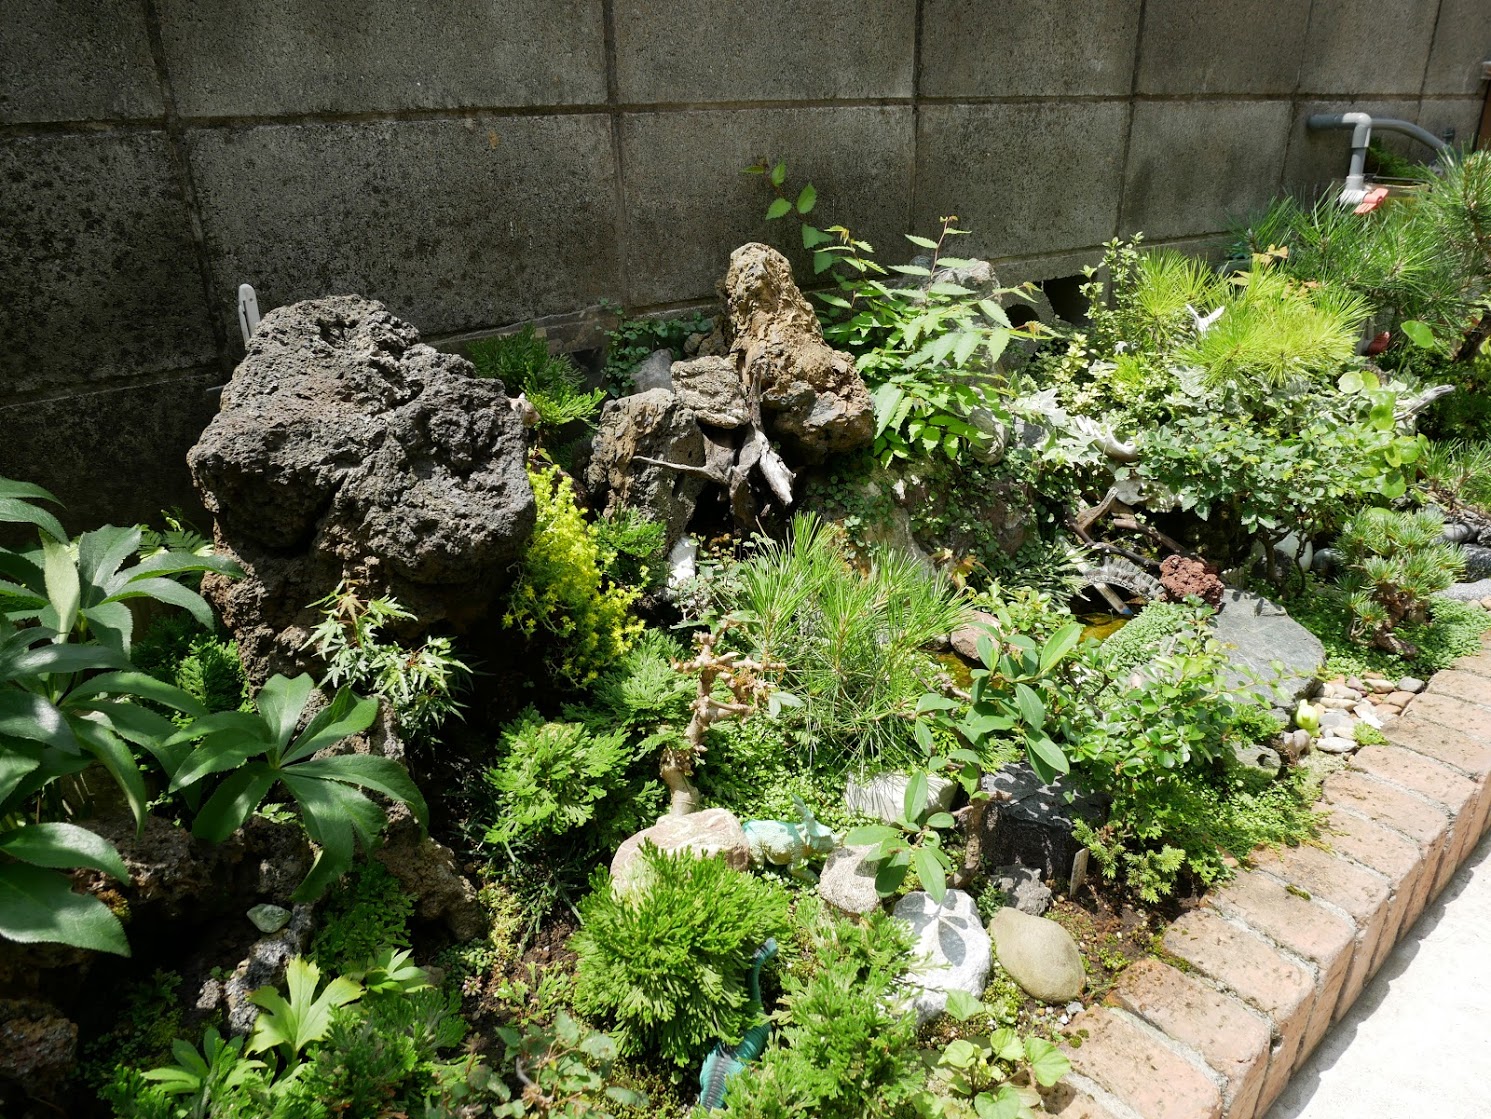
<point>669,960</point>
<point>552,776</point>
<point>1395,562</point>
<point>561,590</point>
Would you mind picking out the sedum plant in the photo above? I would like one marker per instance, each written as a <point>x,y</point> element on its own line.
<point>561,589</point>
<point>260,749</point>
<point>668,960</point>
<point>1395,562</point>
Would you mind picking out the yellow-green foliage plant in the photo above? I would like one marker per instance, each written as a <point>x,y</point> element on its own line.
<point>560,588</point>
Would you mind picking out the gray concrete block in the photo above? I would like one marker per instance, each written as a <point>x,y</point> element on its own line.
<point>688,206</point>
<point>454,224</point>
<point>112,454</point>
<point>1023,269</point>
<point>1027,48</point>
<point>1463,114</point>
<point>273,57</point>
<point>1370,47</point>
<point>772,50</point>
<point>1027,179</point>
<point>99,270</point>
<point>1221,46</point>
<point>1319,157</point>
<point>1196,166</point>
<point>1462,41</point>
<point>75,60</point>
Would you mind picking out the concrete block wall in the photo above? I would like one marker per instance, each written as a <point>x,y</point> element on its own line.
<point>479,165</point>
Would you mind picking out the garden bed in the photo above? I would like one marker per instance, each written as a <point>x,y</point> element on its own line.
<point>538,740</point>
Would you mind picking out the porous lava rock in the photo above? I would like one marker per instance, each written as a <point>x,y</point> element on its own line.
<point>1183,576</point>
<point>346,449</point>
<point>813,401</point>
<point>639,436</point>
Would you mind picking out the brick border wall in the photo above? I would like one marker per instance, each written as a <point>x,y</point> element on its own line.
<point>1272,959</point>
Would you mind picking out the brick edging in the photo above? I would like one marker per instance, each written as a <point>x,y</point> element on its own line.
<point>1259,972</point>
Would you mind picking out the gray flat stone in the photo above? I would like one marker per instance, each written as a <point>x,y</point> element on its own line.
<point>1030,824</point>
<point>884,795</point>
<point>1469,592</point>
<point>1022,888</point>
<point>1335,744</point>
<point>1261,632</point>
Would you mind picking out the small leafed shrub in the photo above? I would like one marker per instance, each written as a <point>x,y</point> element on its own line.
<point>561,589</point>
<point>668,962</point>
<point>366,911</point>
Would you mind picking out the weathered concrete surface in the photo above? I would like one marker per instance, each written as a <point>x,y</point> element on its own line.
<point>1028,48</point>
<point>459,223</point>
<point>112,453</point>
<point>1365,46</point>
<point>73,60</point>
<point>98,272</point>
<point>687,206</point>
<point>999,168</point>
<point>1462,39</point>
<point>1221,46</point>
<point>1419,1029</point>
<point>692,51</point>
<point>1195,164</point>
<point>1463,114</point>
<point>283,56</point>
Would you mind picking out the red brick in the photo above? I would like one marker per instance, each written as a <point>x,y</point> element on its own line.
<point>1233,1039</point>
<point>1424,823</point>
<point>1363,894</point>
<point>1245,964</point>
<point>1393,855</point>
<point>1439,783</point>
<point>1068,1101</point>
<point>1307,929</point>
<point>1454,713</point>
<point>1468,686</point>
<point>1479,663</point>
<point>1459,751</point>
<point>1141,1070</point>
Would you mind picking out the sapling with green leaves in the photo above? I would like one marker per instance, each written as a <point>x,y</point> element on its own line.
<point>998,1076</point>
<point>419,684</point>
<point>1395,562</point>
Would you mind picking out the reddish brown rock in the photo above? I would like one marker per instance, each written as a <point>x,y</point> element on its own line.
<point>1183,577</point>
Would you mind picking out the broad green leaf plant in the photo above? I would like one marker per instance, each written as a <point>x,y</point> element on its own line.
<point>67,693</point>
<point>259,749</point>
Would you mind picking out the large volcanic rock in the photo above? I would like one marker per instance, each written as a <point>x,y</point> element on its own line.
<point>813,401</point>
<point>345,449</point>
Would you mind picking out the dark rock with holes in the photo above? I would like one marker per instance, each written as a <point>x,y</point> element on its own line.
<point>1477,561</point>
<point>38,1049</point>
<point>264,966</point>
<point>1184,577</point>
<point>813,401</point>
<point>1259,633</point>
<point>346,449</point>
<point>427,871</point>
<point>172,874</point>
<point>1031,824</point>
<point>654,425</point>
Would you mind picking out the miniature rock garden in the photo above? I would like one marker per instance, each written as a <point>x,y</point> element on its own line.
<point>803,707</point>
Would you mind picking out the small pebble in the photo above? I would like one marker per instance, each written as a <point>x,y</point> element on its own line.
<point>1335,690</point>
<point>1336,703</point>
<point>1330,744</point>
<point>1356,685</point>
<point>1486,603</point>
<point>1410,684</point>
<point>1377,684</point>
<point>1398,699</point>
<point>1368,714</point>
<point>1074,1008</point>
